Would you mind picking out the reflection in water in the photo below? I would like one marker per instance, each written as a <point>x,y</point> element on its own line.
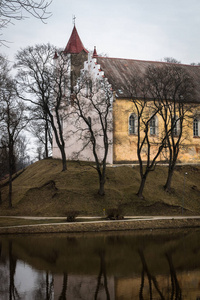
<point>151,279</point>
<point>64,288</point>
<point>102,273</point>
<point>44,287</point>
<point>13,293</point>
<point>153,283</point>
<point>118,266</point>
<point>175,287</point>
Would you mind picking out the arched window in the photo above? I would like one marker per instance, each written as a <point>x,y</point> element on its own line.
<point>132,124</point>
<point>196,125</point>
<point>153,126</point>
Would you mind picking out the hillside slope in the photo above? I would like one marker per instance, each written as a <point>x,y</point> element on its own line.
<point>42,189</point>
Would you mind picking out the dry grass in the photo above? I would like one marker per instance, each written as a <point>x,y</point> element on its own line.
<point>43,190</point>
<point>4,222</point>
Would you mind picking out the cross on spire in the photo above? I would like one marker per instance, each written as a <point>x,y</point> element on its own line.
<point>74,19</point>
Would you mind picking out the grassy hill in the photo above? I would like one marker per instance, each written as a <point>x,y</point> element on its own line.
<point>43,190</point>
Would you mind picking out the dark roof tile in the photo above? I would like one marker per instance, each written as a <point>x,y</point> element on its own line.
<point>120,71</point>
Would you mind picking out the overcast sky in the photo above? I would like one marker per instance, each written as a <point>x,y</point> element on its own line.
<point>135,29</point>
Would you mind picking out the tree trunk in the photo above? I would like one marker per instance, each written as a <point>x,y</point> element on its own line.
<point>101,191</point>
<point>46,142</point>
<point>141,188</point>
<point>10,191</point>
<point>64,161</point>
<point>167,186</point>
<point>11,163</point>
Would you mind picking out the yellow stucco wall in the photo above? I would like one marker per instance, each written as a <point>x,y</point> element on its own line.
<point>125,145</point>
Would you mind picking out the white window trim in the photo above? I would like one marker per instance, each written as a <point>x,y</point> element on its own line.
<point>176,129</point>
<point>155,127</point>
<point>135,124</point>
<point>197,118</point>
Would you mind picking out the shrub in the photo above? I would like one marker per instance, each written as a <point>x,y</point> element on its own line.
<point>72,215</point>
<point>115,214</point>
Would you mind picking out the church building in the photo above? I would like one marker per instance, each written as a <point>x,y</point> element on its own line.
<point>124,135</point>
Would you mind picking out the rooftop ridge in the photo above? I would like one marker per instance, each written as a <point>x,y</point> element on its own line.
<point>147,61</point>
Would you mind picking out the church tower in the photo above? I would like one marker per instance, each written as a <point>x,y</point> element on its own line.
<point>78,54</point>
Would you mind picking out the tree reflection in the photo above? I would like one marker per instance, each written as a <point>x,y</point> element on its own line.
<point>49,286</point>
<point>3,274</point>
<point>102,273</point>
<point>176,293</point>
<point>151,280</point>
<point>45,287</point>
<point>13,293</point>
<point>64,288</point>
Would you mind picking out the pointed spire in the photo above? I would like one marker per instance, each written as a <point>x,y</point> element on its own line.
<point>95,53</point>
<point>55,55</point>
<point>74,45</point>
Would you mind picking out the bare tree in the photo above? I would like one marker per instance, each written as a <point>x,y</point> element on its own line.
<point>3,160</point>
<point>3,165</point>
<point>13,121</point>
<point>41,129</point>
<point>15,10</point>
<point>166,93</point>
<point>21,152</point>
<point>91,112</point>
<point>172,90</point>
<point>46,85</point>
<point>171,60</point>
<point>149,143</point>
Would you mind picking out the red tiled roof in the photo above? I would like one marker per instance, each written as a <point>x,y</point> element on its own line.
<point>74,45</point>
<point>121,71</point>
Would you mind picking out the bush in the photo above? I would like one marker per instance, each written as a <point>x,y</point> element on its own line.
<point>115,214</point>
<point>72,215</point>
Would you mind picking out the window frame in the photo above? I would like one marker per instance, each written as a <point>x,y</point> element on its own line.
<point>132,128</point>
<point>153,126</point>
<point>196,127</point>
<point>176,129</point>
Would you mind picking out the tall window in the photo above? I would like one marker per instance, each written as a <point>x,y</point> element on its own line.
<point>153,126</point>
<point>195,127</point>
<point>176,126</point>
<point>132,124</point>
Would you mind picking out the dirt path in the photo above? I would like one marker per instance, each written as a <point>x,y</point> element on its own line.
<point>129,223</point>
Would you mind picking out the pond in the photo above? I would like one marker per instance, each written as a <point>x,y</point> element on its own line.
<point>120,265</point>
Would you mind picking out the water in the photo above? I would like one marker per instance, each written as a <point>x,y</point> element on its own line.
<point>125,265</point>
